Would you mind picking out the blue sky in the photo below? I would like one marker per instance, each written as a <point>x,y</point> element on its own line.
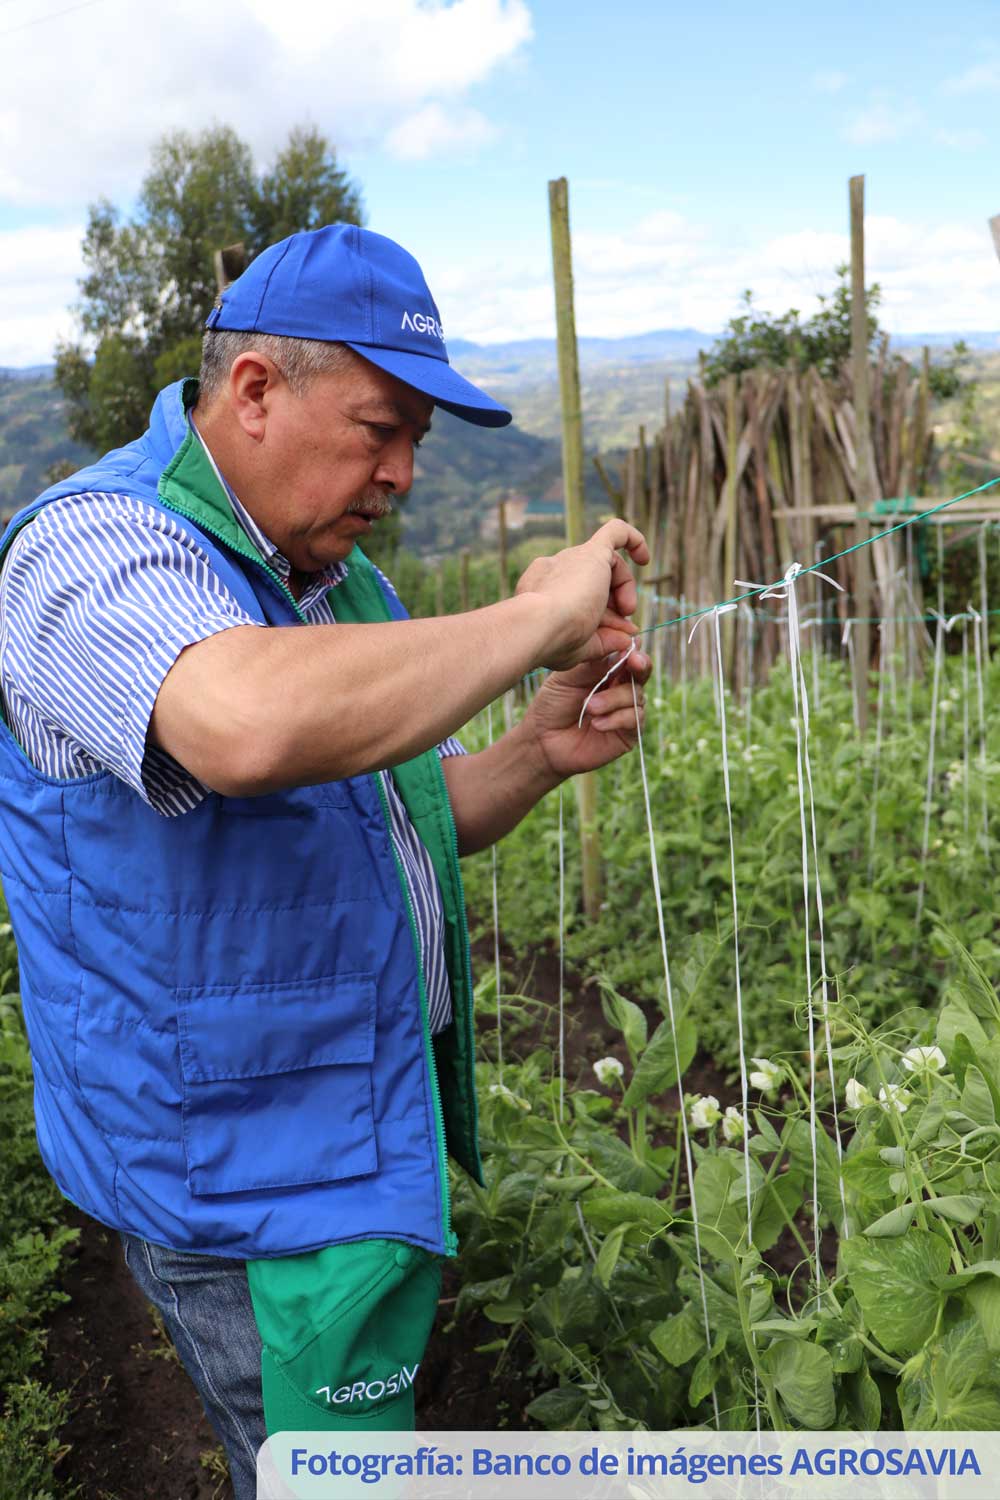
<point>708,149</point>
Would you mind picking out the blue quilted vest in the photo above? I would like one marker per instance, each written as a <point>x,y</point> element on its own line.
<point>226,1009</point>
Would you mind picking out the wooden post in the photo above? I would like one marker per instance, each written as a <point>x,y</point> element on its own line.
<point>439,608</point>
<point>230,262</point>
<point>866,479</point>
<point>729,552</point>
<point>995,232</point>
<point>465,591</point>
<point>503,586</point>
<point>572,455</point>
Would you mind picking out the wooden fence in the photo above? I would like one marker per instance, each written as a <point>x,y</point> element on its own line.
<point>762,470</point>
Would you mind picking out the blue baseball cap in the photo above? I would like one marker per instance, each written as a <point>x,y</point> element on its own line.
<point>346,285</point>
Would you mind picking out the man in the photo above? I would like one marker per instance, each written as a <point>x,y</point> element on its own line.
<point>244,957</point>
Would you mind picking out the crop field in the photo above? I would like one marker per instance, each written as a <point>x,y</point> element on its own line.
<point>863,1288</point>
<point>610,1270</point>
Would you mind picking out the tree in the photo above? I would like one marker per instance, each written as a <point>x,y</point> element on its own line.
<point>753,338</point>
<point>149,280</point>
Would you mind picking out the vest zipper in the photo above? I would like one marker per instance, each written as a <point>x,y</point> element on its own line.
<point>250,556</point>
<point>450,1238</point>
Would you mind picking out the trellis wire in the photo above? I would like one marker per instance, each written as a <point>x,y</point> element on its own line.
<point>496,924</point>
<point>685,1133</point>
<point>931,741</point>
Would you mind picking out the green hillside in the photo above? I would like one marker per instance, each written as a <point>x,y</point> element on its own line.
<point>33,437</point>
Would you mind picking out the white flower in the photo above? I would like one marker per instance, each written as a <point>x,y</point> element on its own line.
<point>894,1097</point>
<point>509,1097</point>
<point>856,1096</point>
<point>609,1071</point>
<point>701,744</point>
<point>924,1059</point>
<point>945,706</point>
<point>767,1076</point>
<point>732,1124</point>
<point>705,1111</point>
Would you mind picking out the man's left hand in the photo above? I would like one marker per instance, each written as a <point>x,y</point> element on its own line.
<point>609,727</point>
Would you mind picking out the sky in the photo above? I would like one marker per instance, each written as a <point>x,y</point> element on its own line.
<point>707,148</point>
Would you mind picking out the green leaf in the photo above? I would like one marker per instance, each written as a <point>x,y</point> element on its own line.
<point>896,1221</point>
<point>767,1130</point>
<point>827,1164</point>
<point>866,1402</point>
<point>613,1159</point>
<point>606,1210</point>
<point>951,1385</point>
<point>957,1020</point>
<point>984,1298</point>
<point>894,1282</point>
<point>792,1328</point>
<point>957,1279</point>
<point>510,1310</point>
<point>803,1375</point>
<point>625,1016</point>
<point>560,1409</point>
<point>866,1173</point>
<point>609,1252</point>
<point>960,1208</point>
<point>656,1069</point>
<point>702,1380</point>
<point>977,1098</point>
<point>679,1338</point>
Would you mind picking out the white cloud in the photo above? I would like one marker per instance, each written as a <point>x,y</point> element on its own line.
<point>435,129</point>
<point>881,121</point>
<point>86,95</point>
<point>983,77</point>
<point>665,271</point>
<point>829,81</point>
<point>38,275</point>
<point>662,270</point>
<point>961,138</point>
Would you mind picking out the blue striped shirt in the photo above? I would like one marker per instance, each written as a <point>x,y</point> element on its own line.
<point>98,597</point>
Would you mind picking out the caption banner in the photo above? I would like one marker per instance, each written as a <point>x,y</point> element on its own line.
<point>629,1466</point>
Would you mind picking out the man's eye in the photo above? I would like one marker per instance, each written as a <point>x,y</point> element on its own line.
<point>382,432</point>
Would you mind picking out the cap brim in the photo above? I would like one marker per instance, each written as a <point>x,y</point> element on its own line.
<point>437,379</point>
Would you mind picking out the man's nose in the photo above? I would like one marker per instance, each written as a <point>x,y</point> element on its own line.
<point>395,469</point>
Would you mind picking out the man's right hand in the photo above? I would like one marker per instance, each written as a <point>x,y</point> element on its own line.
<point>591,594</point>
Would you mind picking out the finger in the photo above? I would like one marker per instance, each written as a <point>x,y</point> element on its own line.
<point>621,722</point>
<point>612,620</point>
<point>618,533</point>
<point>610,699</point>
<point>622,593</point>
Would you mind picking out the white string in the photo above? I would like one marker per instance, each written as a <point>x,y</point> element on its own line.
<point>748,618</point>
<point>682,645</point>
<point>609,673</point>
<point>847,639</point>
<point>984,603</point>
<point>496,924</point>
<point>977,641</point>
<point>800,699</point>
<point>685,1134</point>
<point>879,716</point>
<point>965,728</point>
<point>562,959</point>
<point>744,1083</point>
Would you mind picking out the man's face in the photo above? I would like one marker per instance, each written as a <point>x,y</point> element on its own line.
<point>332,460</point>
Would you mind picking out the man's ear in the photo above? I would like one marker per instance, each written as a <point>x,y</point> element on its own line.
<point>253,380</point>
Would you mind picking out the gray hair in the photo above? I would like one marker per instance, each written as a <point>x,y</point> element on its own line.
<point>299,360</point>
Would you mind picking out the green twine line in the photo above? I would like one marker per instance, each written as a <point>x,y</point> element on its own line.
<point>826,561</point>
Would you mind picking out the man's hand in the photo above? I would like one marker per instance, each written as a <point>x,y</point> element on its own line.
<point>609,727</point>
<point>591,592</point>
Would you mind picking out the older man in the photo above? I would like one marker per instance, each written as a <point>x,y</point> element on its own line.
<point>231,831</point>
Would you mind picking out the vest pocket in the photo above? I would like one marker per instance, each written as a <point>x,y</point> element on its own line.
<point>277,1082</point>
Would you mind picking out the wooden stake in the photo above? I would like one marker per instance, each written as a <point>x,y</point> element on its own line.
<point>729,552</point>
<point>866,491</point>
<point>504,588</point>
<point>572,454</point>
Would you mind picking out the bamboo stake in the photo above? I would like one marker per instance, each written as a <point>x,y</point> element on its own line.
<point>866,488</point>
<point>729,555</point>
<point>572,454</point>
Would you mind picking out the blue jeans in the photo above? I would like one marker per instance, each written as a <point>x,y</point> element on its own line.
<point>205,1303</point>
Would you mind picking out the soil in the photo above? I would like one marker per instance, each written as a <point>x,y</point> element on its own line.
<point>138,1431</point>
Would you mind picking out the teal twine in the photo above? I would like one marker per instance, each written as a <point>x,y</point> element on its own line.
<point>826,561</point>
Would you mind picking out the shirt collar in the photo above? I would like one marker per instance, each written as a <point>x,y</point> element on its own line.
<point>316,582</point>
